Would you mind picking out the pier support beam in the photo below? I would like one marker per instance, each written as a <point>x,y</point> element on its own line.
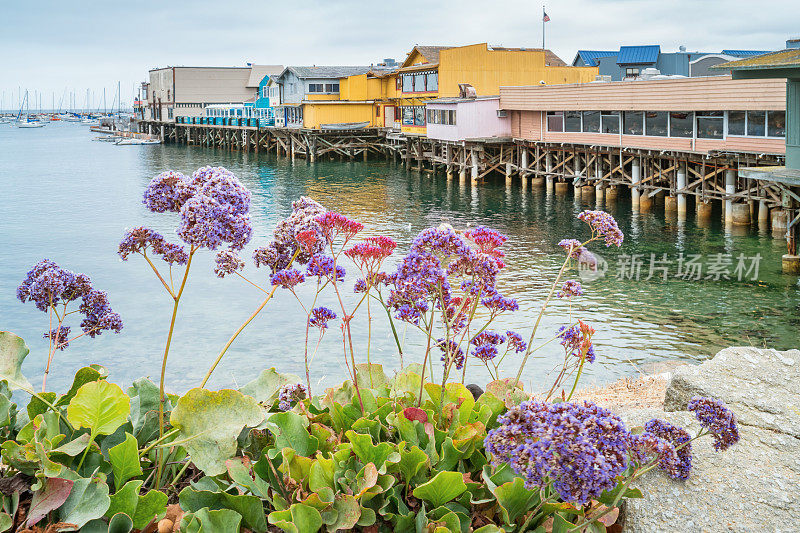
<point>524,163</point>
<point>730,190</point>
<point>548,167</point>
<point>740,214</point>
<point>474,164</point>
<point>680,185</point>
<point>636,176</point>
<point>763,214</point>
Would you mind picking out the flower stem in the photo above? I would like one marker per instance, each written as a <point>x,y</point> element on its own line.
<point>162,397</point>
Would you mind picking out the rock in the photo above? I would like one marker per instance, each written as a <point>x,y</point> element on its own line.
<point>753,486</point>
<point>476,390</point>
<point>761,386</point>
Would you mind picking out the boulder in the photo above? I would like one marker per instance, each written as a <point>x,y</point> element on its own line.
<point>755,484</point>
<point>752,486</point>
<point>761,386</point>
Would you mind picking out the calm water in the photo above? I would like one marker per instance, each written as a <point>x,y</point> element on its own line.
<point>70,199</point>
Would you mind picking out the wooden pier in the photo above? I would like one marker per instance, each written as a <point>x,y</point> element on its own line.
<point>653,177</point>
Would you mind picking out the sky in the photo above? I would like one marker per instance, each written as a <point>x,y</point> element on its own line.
<point>60,48</point>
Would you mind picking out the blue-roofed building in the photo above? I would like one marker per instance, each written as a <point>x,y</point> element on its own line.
<point>629,62</point>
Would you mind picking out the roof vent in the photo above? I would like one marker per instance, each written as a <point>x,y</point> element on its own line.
<point>681,48</point>
<point>465,90</point>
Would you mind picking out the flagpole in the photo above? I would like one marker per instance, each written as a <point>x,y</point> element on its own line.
<point>543,12</point>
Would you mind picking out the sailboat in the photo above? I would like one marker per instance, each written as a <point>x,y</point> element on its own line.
<point>28,122</point>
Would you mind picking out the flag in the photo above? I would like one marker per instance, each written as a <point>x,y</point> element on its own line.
<point>545,18</point>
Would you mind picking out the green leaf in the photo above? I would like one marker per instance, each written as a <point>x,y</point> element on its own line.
<point>212,420</point>
<point>348,513</point>
<point>83,376</point>
<point>248,507</point>
<point>240,474</point>
<point>74,447</point>
<point>561,524</point>
<point>515,500</point>
<point>370,376</point>
<point>51,497</point>
<point>299,518</point>
<point>124,460</point>
<point>100,406</point>
<point>608,496</point>
<point>266,386</point>
<point>489,528</point>
<point>149,506</point>
<point>206,521</point>
<point>411,462</point>
<point>125,499</point>
<point>87,500</point>
<point>119,523</point>
<point>5,522</point>
<point>367,452</point>
<point>13,351</point>
<point>144,409</point>
<point>37,407</point>
<point>290,431</point>
<point>442,488</point>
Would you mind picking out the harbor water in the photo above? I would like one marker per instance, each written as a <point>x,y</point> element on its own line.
<point>70,199</point>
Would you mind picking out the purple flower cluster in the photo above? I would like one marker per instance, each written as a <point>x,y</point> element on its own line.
<point>715,416</point>
<point>322,266</point>
<point>676,436</point>
<point>579,448</point>
<point>450,348</point>
<point>577,340</point>
<point>603,225</point>
<point>572,247</point>
<point>301,224</point>
<point>98,314</point>
<point>59,337</point>
<point>486,343</point>
<point>213,205</point>
<point>289,394</point>
<point>515,342</point>
<point>288,278</point>
<point>227,262</point>
<point>48,285</point>
<point>320,316</point>
<point>570,288</point>
<point>138,240</point>
<point>648,447</point>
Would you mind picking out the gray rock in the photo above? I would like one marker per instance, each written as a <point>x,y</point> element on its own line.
<point>753,486</point>
<point>761,386</point>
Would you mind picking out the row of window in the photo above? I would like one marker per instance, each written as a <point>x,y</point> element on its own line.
<point>700,124</point>
<point>323,87</point>
<point>248,112</point>
<point>442,116</point>
<point>418,82</point>
<point>413,115</point>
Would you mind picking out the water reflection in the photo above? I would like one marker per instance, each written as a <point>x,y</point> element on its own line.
<point>70,199</point>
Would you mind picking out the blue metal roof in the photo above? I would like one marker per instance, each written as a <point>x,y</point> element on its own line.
<point>638,55</point>
<point>745,53</point>
<point>590,57</point>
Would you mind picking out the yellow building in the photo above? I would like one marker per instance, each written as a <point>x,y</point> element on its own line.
<point>437,71</point>
<point>362,98</point>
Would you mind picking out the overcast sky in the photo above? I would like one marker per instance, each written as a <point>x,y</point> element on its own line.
<point>56,47</point>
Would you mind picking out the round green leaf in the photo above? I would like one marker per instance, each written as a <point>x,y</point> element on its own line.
<point>13,351</point>
<point>442,488</point>
<point>100,406</point>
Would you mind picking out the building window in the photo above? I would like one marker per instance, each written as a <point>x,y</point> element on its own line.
<point>755,123</point>
<point>555,121</point>
<point>572,121</point>
<point>408,83</point>
<point>609,121</point>
<point>170,113</point>
<point>446,117</point>
<point>776,124</point>
<point>633,123</point>
<point>736,122</point>
<point>419,115</point>
<point>398,82</point>
<point>315,87</point>
<point>407,112</point>
<point>419,83</point>
<point>680,124</point>
<point>631,72</point>
<point>655,123</point>
<point>710,124</point>
<point>433,81</point>
<point>591,121</point>
<point>264,92</point>
<point>331,87</point>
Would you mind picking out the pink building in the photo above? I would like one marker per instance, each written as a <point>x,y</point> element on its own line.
<point>702,115</point>
<point>459,119</point>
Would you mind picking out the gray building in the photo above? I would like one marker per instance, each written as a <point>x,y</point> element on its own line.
<point>629,62</point>
<point>299,83</point>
